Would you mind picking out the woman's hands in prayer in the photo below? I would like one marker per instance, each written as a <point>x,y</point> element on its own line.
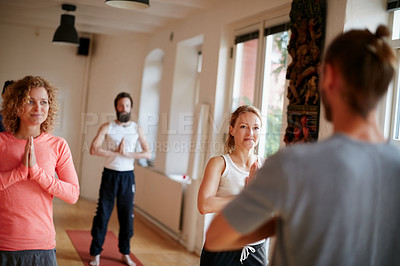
<point>29,158</point>
<point>252,173</point>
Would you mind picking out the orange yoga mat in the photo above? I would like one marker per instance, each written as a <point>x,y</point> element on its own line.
<point>110,255</point>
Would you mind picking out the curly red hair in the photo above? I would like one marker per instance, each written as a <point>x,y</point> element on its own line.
<point>17,95</point>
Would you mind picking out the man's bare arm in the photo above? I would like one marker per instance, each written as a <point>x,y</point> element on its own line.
<point>222,236</point>
<point>96,146</point>
<point>145,153</point>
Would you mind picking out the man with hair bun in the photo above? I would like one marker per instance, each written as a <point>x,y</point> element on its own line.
<point>335,202</point>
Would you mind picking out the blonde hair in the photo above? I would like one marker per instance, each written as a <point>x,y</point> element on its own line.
<point>17,95</point>
<point>230,141</point>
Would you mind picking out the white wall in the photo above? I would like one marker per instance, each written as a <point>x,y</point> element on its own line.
<point>116,66</point>
<point>180,122</point>
<point>344,15</point>
<point>29,51</point>
<point>150,98</point>
<point>366,14</point>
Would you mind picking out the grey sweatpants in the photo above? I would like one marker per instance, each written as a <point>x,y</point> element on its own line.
<point>28,257</point>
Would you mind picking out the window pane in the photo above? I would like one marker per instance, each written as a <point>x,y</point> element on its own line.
<point>245,73</point>
<point>396,132</point>
<point>396,25</point>
<point>274,90</point>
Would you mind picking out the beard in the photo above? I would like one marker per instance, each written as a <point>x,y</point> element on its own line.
<point>123,117</point>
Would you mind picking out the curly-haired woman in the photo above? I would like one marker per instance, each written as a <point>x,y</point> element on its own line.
<point>30,159</point>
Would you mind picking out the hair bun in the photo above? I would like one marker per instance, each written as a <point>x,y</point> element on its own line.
<point>382,31</point>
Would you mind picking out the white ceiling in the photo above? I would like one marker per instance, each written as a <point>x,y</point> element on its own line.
<point>94,16</point>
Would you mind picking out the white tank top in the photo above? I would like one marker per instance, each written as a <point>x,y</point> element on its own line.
<point>113,138</point>
<point>233,178</point>
<point>232,182</point>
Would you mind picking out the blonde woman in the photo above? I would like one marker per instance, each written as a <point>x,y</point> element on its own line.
<point>226,176</point>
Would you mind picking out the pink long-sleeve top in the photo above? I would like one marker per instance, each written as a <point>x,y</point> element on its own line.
<point>26,208</point>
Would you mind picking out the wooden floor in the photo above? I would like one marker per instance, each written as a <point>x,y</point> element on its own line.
<point>150,245</point>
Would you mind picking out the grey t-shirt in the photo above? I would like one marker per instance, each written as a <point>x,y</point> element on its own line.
<point>338,202</point>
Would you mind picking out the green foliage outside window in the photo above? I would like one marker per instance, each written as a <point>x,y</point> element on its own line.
<point>274,116</point>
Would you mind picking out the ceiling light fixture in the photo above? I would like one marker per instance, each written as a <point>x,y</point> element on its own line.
<point>129,4</point>
<point>66,33</point>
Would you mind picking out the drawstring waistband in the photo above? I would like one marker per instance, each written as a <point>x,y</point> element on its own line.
<point>245,253</point>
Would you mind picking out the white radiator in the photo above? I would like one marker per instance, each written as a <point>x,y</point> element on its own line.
<point>159,197</point>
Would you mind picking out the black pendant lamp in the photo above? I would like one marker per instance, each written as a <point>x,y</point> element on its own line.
<point>129,4</point>
<point>66,32</point>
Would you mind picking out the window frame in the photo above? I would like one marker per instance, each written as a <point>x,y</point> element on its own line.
<point>392,112</point>
<point>250,29</point>
<point>270,31</point>
<point>265,27</point>
<point>394,98</point>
